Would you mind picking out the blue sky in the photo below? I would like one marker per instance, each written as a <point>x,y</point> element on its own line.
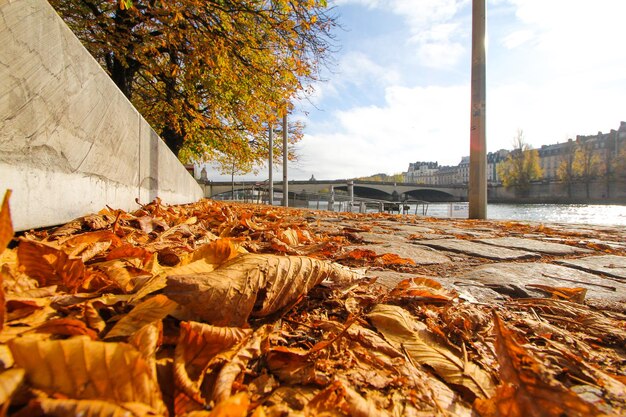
<point>400,89</point>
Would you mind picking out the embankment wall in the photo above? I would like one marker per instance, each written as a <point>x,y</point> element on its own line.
<point>70,141</point>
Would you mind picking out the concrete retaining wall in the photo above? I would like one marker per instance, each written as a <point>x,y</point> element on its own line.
<point>70,142</point>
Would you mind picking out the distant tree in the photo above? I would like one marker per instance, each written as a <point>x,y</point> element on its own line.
<point>521,166</point>
<point>207,75</point>
<point>586,164</point>
<point>619,162</point>
<point>565,171</point>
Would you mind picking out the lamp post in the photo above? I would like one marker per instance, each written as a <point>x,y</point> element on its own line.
<point>285,183</point>
<point>477,191</point>
<point>271,164</point>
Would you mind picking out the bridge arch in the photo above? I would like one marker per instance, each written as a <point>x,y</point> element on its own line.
<point>431,195</point>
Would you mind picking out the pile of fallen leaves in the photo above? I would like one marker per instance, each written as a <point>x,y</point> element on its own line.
<point>233,310</point>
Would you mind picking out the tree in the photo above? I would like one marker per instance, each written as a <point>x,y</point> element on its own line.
<point>208,75</point>
<point>521,165</point>
<point>565,171</point>
<point>586,164</point>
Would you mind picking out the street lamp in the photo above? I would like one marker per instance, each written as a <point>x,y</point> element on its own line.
<point>477,191</point>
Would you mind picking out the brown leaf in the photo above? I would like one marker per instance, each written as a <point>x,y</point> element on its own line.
<point>523,391</point>
<point>252,284</point>
<point>83,369</point>
<point>147,341</point>
<point>91,408</point>
<point>235,406</point>
<point>66,327</point>
<point>404,332</point>
<point>422,289</point>
<point>9,381</point>
<point>340,399</point>
<point>6,226</point>
<point>235,367</point>
<point>149,311</point>
<point>129,251</point>
<point>50,266</point>
<point>197,345</point>
<point>575,295</point>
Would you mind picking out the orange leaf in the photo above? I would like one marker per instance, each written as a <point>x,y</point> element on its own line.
<point>393,259</point>
<point>235,406</point>
<point>83,369</point>
<point>523,391</point>
<point>50,266</point>
<point>149,311</point>
<point>66,327</point>
<point>129,251</point>
<point>576,295</point>
<point>6,226</point>
<point>422,289</point>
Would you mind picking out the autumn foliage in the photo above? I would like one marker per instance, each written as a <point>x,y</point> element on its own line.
<point>213,309</point>
<point>209,76</point>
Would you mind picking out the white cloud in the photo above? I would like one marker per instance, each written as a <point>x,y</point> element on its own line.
<point>430,27</point>
<point>517,38</point>
<point>414,124</point>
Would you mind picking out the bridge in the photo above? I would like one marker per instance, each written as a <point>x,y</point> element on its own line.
<point>390,191</point>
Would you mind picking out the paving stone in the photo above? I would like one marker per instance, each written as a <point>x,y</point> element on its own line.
<point>419,254</point>
<point>479,249</point>
<point>369,237</point>
<point>513,279</point>
<point>611,265</point>
<point>468,290</point>
<point>548,248</point>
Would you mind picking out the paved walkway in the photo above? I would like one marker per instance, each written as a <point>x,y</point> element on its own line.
<point>491,261</point>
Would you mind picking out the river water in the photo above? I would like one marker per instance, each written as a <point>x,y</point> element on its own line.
<point>612,215</point>
<point>545,213</point>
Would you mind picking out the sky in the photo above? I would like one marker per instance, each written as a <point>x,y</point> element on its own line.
<point>399,90</point>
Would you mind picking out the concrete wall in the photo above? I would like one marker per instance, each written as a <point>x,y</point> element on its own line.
<point>70,142</point>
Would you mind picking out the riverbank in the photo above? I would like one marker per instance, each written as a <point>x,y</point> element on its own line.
<point>268,311</point>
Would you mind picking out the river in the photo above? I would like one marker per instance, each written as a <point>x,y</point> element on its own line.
<point>546,213</point>
<point>612,215</point>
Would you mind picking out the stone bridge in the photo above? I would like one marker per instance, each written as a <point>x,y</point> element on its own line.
<point>390,191</point>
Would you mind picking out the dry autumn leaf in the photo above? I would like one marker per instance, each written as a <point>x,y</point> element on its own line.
<point>66,327</point>
<point>197,345</point>
<point>149,311</point>
<point>422,289</point>
<point>252,284</point>
<point>83,369</point>
<point>576,295</point>
<point>404,332</point>
<point>9,381</point>
<point>90,408</point>
<point>50,266</point>
<point>6,226</point>
<point>523,392</point>
<point>208,257</point>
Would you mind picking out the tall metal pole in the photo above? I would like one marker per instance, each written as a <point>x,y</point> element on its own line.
<point>271,165</point>
<point>285,182</point>
<point>477,192</point>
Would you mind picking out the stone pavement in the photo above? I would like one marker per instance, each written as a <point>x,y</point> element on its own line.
<point>493,261</point>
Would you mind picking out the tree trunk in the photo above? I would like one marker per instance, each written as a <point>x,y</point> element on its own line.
<point>173,139</point>
<point>122,75</point>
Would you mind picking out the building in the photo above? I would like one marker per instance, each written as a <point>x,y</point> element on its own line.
<point>421,172</point>
<point>493,160</point>
<point>606,146</point>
